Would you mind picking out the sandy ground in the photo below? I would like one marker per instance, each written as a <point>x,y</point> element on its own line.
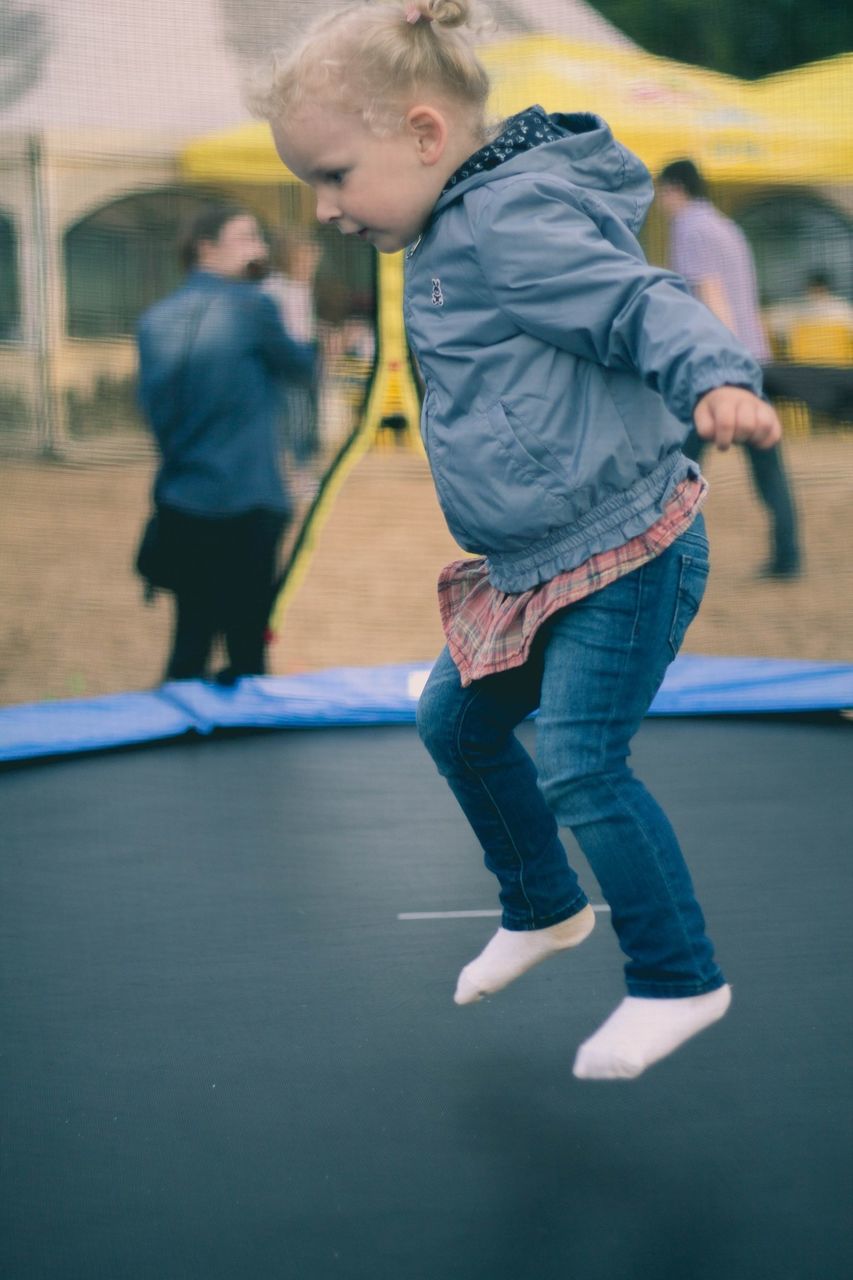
<point>74,624</point>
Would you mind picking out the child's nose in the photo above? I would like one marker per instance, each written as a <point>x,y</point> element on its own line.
<point>327,209</point>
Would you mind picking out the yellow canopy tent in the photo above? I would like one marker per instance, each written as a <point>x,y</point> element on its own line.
<point>818,95</point>
<point>244,154</point>
<point>662,109</point>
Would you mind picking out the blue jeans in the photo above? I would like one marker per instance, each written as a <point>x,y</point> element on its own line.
<point>593,672</point>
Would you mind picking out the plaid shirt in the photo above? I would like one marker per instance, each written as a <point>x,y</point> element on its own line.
<point>489,631</point>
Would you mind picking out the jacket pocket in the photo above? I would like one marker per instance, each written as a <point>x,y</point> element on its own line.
<point>496,495</point>
<point>545,468</point>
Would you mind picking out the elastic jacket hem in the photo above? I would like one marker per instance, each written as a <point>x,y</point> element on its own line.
<point>610,523</point>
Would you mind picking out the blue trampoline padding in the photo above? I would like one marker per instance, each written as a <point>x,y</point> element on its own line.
<point>88,724</point>
<point>697,685</point>
<point>383,695</point>
<point>337,696</point>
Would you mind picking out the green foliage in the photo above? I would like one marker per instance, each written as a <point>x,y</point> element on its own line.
<point>747,40</point>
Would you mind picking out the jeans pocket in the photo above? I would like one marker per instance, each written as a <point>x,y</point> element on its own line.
<point>692,580</point>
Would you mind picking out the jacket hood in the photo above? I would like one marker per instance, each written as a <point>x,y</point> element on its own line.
<point>587,156</point>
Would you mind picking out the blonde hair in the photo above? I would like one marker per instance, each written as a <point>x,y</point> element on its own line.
<point>372,58</point>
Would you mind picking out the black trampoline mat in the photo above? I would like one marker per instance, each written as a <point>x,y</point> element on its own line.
<point>225,1057</point>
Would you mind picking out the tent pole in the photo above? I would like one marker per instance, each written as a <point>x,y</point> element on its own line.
<point>42,327</point>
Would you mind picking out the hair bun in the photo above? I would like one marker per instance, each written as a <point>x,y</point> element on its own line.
<point>448,13</point>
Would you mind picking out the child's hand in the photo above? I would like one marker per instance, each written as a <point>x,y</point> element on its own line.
<point>733,415</point>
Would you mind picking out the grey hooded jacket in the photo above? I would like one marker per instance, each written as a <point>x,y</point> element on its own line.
<point>561,369</point>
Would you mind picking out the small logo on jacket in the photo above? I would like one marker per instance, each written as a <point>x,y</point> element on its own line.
<point>437,295</point>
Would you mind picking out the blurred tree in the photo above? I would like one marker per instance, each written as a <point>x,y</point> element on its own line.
<point>743,39</point>
<point>24,45</point>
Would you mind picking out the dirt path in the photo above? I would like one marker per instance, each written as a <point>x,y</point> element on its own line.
<point>73,622</point>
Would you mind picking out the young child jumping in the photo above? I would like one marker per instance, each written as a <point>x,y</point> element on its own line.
<point>562,374</point>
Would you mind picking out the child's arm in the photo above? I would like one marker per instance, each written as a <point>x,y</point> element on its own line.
<point>582,283</point>
<point>733,415</point>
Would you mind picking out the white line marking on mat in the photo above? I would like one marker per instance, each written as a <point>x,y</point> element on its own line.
<point>468,915</point>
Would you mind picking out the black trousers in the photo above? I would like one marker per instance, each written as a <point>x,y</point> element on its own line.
<point>225,570</point>
<point>771,483</point>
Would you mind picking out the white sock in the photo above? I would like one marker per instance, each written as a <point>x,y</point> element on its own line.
<point>512,952</point>
<point>640,1032</point>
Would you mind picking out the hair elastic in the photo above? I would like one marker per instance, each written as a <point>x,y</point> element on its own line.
<point>414,14</point>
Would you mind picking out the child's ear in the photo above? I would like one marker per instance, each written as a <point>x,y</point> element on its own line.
<point>428,127</point>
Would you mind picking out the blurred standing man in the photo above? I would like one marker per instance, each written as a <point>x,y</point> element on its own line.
<point>210,359</point>
<point>713,255</point>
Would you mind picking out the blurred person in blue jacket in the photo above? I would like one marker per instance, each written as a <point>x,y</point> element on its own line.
<point>211,358</point>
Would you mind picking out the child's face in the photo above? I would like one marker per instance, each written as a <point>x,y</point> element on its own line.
<point>379,188</point>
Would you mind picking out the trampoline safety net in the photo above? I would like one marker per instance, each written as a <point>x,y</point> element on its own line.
<point>126,123</point>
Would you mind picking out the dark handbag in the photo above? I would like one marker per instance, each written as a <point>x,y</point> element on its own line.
<point>154,563</point>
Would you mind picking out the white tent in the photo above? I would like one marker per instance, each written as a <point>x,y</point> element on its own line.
<point>96,99</point>
<point>123,65</point>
